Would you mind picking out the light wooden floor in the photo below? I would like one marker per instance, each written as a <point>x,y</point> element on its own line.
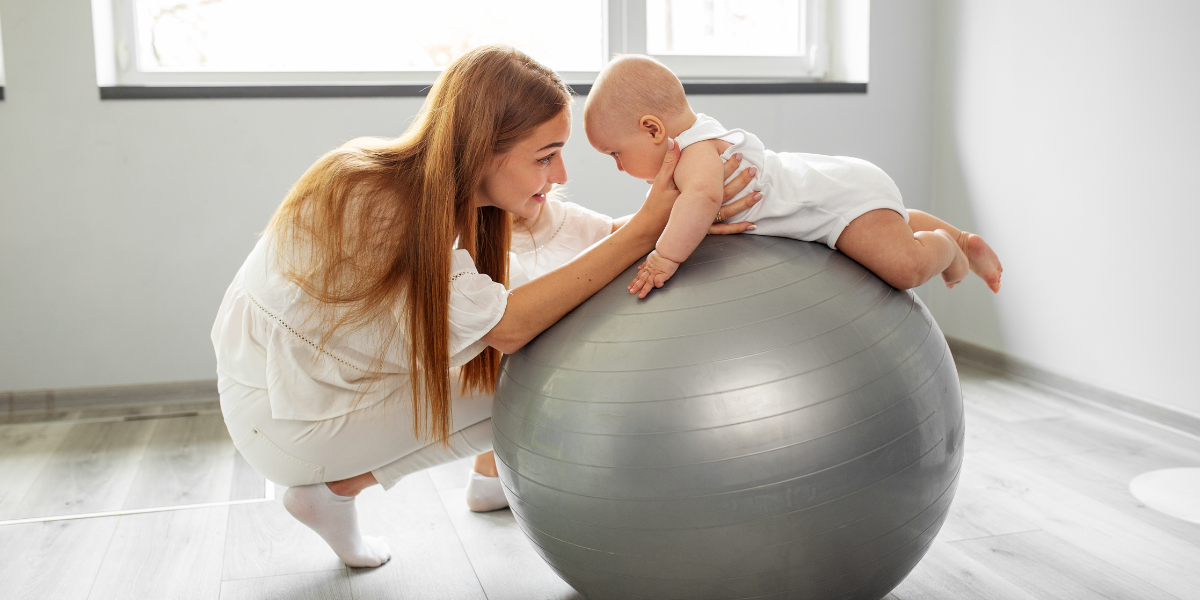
<point>1043,511</point>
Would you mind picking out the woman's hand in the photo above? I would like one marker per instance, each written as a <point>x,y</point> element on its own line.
<point>663,193</point>
<point>731,189</point>
<point>657,208</point>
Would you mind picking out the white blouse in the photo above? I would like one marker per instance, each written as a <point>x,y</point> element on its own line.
<point>561,232</point>
<point>261,338</point>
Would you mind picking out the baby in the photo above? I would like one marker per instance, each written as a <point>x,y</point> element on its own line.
<point>637,105</point>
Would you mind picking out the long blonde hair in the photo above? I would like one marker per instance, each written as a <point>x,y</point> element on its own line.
<point>368,231</point>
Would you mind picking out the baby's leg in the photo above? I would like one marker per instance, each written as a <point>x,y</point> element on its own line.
<point>881,241</point>
<point>980,255</point>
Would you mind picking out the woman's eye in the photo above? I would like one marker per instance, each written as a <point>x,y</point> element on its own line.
<point>546,160</point>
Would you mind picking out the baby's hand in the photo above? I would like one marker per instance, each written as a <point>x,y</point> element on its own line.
<point>653,273</point>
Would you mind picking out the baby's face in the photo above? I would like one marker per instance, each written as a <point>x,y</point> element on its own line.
<point>637,153</point>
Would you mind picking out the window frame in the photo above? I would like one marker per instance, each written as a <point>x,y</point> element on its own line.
<point>812,65</point>
<point>625,33</point>
<point>2,76</point>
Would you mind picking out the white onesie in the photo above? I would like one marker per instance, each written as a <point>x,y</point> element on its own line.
<point>807,197</point>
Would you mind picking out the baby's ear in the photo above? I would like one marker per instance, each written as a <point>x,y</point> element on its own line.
<point>653,126</point>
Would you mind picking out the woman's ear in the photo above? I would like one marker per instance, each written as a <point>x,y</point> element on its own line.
<point>653,126</point>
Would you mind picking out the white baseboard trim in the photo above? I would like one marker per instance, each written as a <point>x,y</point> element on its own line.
<point>268,496</point>
<point>51,401</point>
<point>1138,408</point>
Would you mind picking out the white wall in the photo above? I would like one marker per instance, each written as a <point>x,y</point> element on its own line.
<point>122,222</point>
<point>1067,133</point>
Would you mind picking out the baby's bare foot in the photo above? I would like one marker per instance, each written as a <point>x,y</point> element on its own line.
<point>982,258</point>
<point>959,267</point>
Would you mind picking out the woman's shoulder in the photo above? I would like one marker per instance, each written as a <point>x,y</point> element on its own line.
<point>560,233</point>
<point>559,222</point>
<point>583,212</point>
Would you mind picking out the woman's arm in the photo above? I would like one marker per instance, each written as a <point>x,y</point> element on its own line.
<point>537,305</point>
<point>542,302</point>
<point>620,221</point>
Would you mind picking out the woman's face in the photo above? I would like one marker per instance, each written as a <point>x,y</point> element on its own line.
<point>519,180</point>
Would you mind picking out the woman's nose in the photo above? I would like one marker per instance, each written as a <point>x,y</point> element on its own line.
<point>559,173</point>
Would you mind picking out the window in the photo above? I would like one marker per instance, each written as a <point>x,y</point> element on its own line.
<point>735,38</point>
<point>348,40</point>
<point>166,42</point>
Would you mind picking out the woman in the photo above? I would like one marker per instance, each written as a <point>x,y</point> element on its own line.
<point>361,340</point>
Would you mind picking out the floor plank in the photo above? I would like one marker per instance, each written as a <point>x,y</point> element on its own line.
<point>27,449</point>
<point>947,572</point>
<point>52,561</point>
<point>90,471</point>
<point>245,482</point>
<point>428,560</point>
<point>1047,567</point>
<point>1062,470</point>
<point>187,461</point>
<point>497,549</point>
<point>980,509</point>
<point>1011,403</point>
<point>174,554</point>
<point>263,540</point>
<point>1095,529</point>
<point>1043,510</point>
<point>1023,440</point>
<point>322,585</point>
<point>1105,474</point>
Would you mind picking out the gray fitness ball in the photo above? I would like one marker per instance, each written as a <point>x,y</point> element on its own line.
<point>775,422</point>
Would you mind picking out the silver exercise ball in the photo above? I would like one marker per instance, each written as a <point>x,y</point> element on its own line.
<point>775,422</point>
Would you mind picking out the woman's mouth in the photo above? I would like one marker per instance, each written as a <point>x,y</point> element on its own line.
<point>539,198</point>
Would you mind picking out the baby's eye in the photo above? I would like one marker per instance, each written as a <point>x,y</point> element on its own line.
<point>546,160</point>
<point>615,154</point>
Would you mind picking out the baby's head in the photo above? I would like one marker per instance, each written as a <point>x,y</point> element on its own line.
<point>634,106</point>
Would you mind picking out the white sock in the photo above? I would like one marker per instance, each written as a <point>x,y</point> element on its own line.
<point>485,493</point>
<point>335,519</point>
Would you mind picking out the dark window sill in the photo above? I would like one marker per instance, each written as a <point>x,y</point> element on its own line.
<point>194,92</point>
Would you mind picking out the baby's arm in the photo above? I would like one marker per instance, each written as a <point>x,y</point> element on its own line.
<point>700,179</point>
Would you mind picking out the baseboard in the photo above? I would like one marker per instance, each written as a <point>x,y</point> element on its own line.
<point>107,397</point>
<point>1008,365</point>
<point>964,352</point>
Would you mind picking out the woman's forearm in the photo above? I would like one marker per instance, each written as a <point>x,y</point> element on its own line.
<point>537,305</point>
<point>620,222</point>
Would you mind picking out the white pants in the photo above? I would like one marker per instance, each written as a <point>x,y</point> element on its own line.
<point>378,438</point>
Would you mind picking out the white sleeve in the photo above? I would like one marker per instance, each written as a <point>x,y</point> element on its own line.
<point>476,304</point>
